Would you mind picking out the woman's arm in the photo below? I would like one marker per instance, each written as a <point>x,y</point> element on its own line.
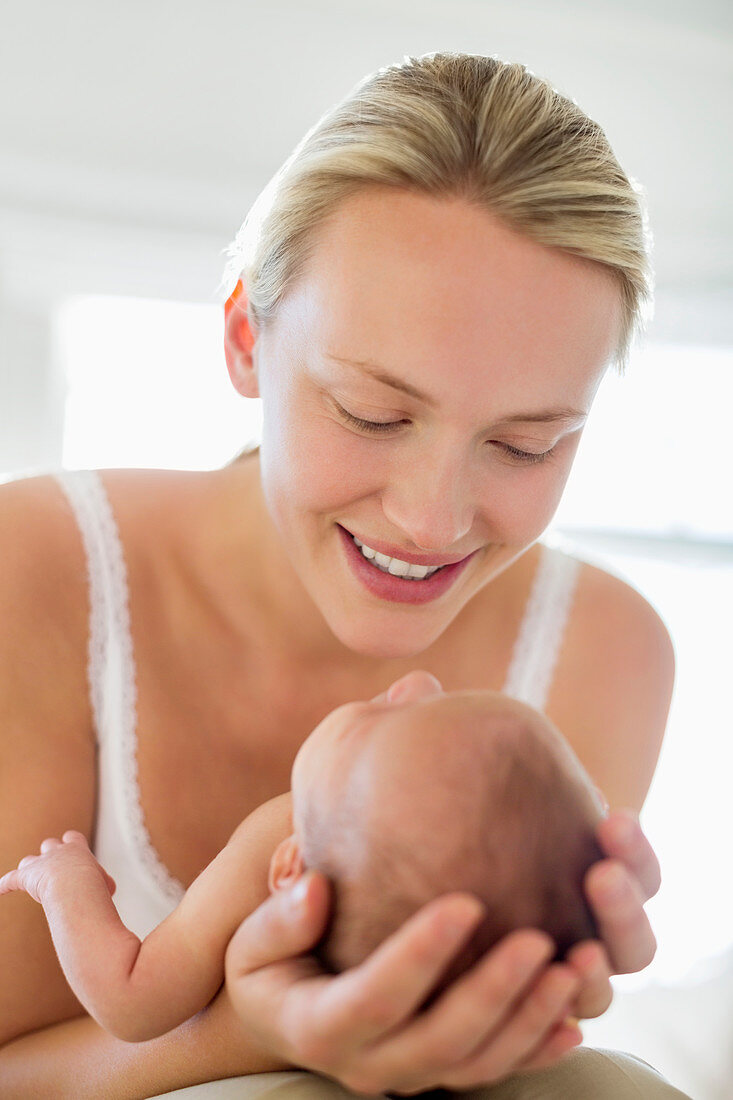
<point>79,1060</point>
<point>47,765</point>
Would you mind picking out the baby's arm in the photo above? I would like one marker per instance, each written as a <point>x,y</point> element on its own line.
<point>140,990</point>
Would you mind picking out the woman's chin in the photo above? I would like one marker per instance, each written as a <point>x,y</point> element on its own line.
<point>385,641</point>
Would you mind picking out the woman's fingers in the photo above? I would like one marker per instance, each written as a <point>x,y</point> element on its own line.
<point>617,888</point>
<point>618,906</point>
<point>544,1008</point>
<point>287,924</point>
<point>270,980</point>
<point>361,1027</point>
<point>470,1011</point>
<point>559,1041</point>
<point>622,838</point>
<point>590,962</point>
<point>364,1003</point>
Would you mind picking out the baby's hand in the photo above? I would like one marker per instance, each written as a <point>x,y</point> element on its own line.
<point>59,860</point>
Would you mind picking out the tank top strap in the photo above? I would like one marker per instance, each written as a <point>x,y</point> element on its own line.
<point>122,841</point>
<point>538,643</point>
<point>110,659</point>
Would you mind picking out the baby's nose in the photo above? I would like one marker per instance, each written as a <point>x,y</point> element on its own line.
<point>417,684</point>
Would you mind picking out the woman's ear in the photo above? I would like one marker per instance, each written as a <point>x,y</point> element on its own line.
<point>286,865</point>
<point>239,342</point>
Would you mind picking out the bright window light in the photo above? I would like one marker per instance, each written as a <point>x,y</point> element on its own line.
<point>655,454</point>
<point>148,386</point>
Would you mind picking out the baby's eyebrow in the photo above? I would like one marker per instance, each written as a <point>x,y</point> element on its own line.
<point>380,374</point>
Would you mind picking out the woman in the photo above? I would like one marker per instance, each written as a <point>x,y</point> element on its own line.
<point>450,261</point>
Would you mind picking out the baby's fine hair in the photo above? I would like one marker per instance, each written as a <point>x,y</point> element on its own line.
<point>522,840</point>
<point>454,125</point>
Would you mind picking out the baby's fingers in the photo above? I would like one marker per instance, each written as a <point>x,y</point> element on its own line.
<point>71,836</point>
<point>9,882</point>
<point>22,878</point>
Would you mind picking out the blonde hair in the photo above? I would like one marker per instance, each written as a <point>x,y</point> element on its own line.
<point>455,125</point>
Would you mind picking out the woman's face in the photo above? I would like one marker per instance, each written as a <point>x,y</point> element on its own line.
<point>424,386</point>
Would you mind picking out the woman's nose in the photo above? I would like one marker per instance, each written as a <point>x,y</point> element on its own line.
<point>431,504</point>
<point>417,684</point>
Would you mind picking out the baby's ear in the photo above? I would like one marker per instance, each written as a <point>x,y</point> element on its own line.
<point>286,865</point>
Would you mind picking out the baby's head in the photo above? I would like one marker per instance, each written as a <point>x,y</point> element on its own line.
<point>420,793</point>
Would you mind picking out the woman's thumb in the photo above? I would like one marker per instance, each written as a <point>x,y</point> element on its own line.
<point>289,923</point>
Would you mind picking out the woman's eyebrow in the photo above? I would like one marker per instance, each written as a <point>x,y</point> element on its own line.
<point>545,416</point>
<point>382,375</point>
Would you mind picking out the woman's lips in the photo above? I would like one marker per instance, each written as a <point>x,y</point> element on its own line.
<point>405,555</point>
<point>400,589</point>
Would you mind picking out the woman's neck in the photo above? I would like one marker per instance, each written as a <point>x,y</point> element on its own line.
<point>257,588</point>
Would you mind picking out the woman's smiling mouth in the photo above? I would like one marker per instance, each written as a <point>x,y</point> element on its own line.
<point>396,566</point>
<point>397,579</point>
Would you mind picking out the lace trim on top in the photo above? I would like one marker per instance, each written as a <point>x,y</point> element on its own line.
<point>109,637</point>
<point>538,643</point>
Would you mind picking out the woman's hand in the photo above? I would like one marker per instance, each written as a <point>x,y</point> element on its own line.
<point>507,1013</point>
<point>616,888</point>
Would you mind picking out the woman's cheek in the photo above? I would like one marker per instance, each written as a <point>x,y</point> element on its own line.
<point>526,501</point>
<point>324,465</point>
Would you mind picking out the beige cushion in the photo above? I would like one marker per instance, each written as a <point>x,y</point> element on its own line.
<point>584,1074</point>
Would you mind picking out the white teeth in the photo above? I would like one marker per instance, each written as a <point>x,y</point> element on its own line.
<point>395,566</point>
<point>419,571</point>
<point>366,550</point>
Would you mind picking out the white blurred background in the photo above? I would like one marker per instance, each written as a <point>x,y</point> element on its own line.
<point>134,137</point>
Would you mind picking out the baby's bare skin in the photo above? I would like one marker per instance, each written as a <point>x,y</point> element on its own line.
<point>141,990</point>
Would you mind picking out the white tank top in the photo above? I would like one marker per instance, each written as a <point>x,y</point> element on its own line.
<point>146,891</point>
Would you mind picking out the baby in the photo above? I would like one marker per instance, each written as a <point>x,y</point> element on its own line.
<point>397,802</point>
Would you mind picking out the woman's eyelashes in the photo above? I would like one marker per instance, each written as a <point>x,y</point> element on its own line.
<point>369,425</point>
<point>376,427</point>
<point>528,458</point>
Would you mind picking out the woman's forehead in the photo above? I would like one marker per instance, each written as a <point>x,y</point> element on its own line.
<point>441,287</point>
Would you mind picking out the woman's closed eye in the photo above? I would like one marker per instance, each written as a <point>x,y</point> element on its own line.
<point>516,454</point>
<point>368,425</point>
<point>527,458</point>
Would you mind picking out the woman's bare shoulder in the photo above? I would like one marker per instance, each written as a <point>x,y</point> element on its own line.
<point>627,630</point>
<point>614,684</point>
<point>43,589</point>
<point>163,510</point>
